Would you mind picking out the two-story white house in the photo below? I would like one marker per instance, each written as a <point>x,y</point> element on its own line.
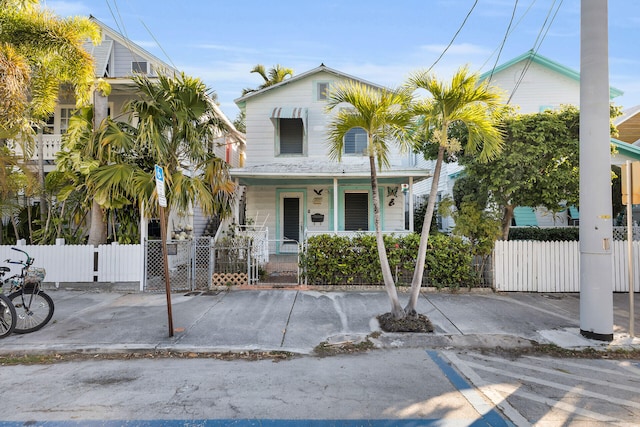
<point>292,187</point>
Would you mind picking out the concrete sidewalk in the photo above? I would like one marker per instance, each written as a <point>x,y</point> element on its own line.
<point>297,321</point>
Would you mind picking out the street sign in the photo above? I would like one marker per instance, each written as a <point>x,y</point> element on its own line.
<point>162,200</point>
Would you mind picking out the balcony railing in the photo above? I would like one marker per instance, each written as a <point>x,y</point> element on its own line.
<point>51,144</point>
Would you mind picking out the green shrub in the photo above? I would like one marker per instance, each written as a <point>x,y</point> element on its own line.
<point>335,260</point>
<point>545,234</point>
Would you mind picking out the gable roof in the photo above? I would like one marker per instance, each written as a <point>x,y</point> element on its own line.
<point>547,63</point>
<point>104,50</point>
<point>321,68</point>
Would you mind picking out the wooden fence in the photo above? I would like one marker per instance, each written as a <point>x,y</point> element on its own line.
<point>529,266</point>
<point>82,263</point>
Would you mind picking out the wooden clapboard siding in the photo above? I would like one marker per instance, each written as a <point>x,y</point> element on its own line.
<point>540,88</point>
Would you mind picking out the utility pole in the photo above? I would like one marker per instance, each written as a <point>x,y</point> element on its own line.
<point>596,229</point>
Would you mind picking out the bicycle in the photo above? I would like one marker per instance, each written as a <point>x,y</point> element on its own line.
<point>8,317</point>
<point>33,307</point>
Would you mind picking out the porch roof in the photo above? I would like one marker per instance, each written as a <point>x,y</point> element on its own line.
<point>313,171</point>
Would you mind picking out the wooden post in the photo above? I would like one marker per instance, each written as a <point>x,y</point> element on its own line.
<point>165,261</point>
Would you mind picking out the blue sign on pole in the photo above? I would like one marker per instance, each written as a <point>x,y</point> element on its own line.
<point>159,172</point>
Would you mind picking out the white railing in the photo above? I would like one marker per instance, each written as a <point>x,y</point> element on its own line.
<point>309,233</point>
<point>78,263</point>
<point>51,144</point>
<point>529,266</point>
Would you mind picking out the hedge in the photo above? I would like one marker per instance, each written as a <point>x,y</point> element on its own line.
<point>545,234</point>
<point>336,260</point>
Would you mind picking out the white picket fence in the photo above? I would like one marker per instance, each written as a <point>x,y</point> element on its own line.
<point>530,266</point>
<point>518,266</point>
<point>82,263</point>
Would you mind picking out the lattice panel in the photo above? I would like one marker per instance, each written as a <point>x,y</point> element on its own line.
<point>226,279</point>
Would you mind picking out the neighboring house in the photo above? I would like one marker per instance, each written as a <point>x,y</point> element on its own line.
<point>532,83</point>
<point>117,60</point>
<point>293,189</point>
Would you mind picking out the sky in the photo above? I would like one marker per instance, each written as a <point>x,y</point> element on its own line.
<point>381,41</point>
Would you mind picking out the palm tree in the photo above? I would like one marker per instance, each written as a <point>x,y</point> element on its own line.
<point>465,101</point>
<point>38,53</point>
<point>83,151</point>
<point>276,74</point>
<point>384,115</point>
<point>178,123</point>
<point>45,51</point>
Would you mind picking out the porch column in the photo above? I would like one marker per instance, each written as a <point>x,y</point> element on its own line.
<point>335,204</point>
<point>411,213</point>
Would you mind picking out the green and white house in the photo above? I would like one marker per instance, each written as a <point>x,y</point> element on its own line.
<point>533,83</point>
<point>292,188</point>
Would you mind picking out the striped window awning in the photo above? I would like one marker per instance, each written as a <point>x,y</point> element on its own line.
<point>290,113</point>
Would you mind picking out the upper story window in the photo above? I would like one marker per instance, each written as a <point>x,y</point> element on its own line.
<point>322,90</point>
<point>291,136</point>
<point>65,115</point>
<point>290,130</point>
<point>355,141</point>
<point>140,67</point>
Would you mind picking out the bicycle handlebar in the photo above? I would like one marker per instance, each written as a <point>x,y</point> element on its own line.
<point>26,263</point>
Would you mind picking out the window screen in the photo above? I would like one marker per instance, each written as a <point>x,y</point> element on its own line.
<point>139,67</point>
<point>355,141</point>
<point>291,136</point>
<point>356,211</point>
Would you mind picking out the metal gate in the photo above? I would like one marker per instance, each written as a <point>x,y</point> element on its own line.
<point>200,264</point>
<point>189,261</point>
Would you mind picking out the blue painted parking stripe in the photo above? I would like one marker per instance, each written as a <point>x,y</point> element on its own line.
<point>491,418</point>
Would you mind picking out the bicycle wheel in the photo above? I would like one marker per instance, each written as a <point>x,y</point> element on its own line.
<point>7,316</point>
<point>33,307</point>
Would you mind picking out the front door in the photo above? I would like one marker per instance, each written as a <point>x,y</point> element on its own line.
<point>291,219</point>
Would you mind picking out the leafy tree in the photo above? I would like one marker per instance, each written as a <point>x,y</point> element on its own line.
<point>384,116</point>
<point>15,180</point>
<point>479,225</point>
<point>464,102</point>
<point>537,167</point>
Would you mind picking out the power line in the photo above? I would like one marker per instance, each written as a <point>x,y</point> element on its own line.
<point>536,46</point>
<point>504,40</point>
<point>454,36</point>
<point>513,28</point>
<point>158,43</point>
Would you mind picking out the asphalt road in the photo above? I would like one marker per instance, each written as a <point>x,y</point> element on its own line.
<point>410,387</point>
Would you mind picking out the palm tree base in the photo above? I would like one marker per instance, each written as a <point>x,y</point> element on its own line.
<point>417,323</point>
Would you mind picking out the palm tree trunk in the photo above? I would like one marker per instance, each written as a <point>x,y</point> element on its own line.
<point>98,228</point>
<point>389,284</point>
<point>418,272</point>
